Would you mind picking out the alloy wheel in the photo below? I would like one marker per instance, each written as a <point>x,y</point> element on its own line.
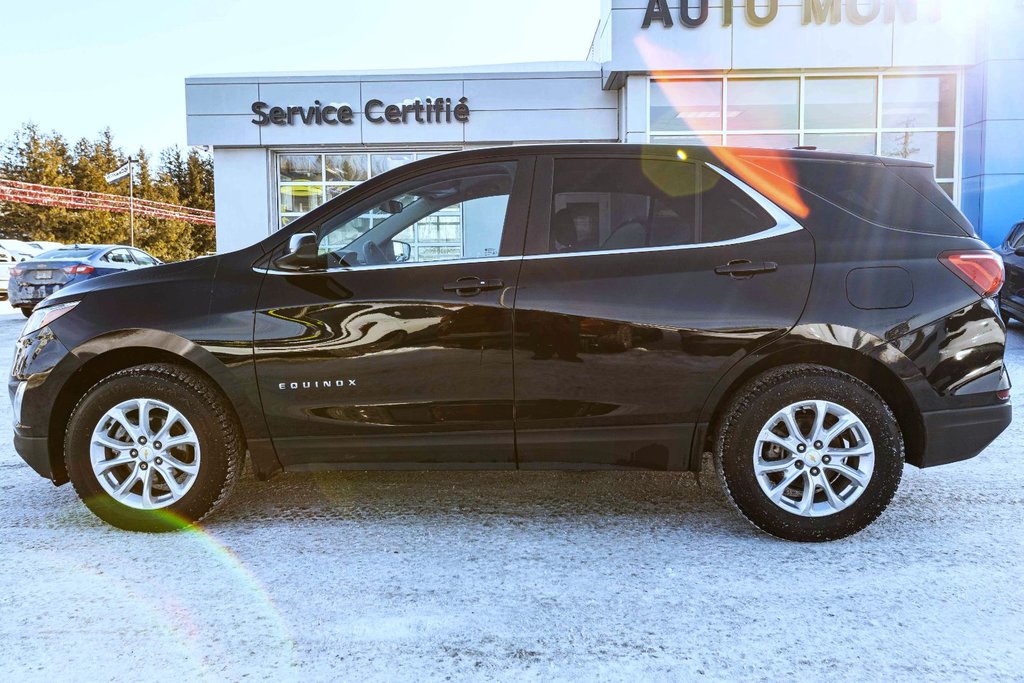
<point>814,458</point>
<point>145,454</point>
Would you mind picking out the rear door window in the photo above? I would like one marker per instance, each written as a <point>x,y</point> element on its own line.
<point>612,204</point>
<point>626,204</point>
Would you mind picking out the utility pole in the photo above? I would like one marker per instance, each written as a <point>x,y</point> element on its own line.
<point>131,202</point>
<point>117,176</point>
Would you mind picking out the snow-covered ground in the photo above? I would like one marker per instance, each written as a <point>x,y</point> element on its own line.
<point>542,576</point>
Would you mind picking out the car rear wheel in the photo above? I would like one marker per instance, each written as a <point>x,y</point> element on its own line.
<point>152,448</point>
<point>809,453</point>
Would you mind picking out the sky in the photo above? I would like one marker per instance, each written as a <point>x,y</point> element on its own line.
<point>77,67</point>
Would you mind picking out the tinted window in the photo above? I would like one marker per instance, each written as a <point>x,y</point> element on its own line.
<point>608,204</point>
<point>443,216</point>
<point>727,212</point>
<point>905,197</point>
<point>69,254</point>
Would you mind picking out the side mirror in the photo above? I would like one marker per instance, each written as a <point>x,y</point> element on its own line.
<point>302,253</point>
<point>403,251</point>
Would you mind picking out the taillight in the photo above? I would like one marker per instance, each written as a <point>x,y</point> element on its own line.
<point>78,270</point>
<point>981,269</point>
<point>17,270</point>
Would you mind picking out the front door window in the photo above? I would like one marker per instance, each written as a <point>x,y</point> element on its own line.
<point>452,215</point>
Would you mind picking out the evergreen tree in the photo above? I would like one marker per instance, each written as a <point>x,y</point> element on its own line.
<point>36,157</point>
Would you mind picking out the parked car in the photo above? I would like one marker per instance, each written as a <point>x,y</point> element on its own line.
<point>1011,298</point>
<point>36,279</point>
<point>813,320</point>
<point>7,260</point>
<point>21,251</point>
<point>45,246</point>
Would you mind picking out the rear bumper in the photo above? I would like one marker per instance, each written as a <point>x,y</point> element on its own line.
<point>955,435</point>
<point>30,295</point>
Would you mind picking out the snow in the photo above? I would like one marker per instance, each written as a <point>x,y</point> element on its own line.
<point>505,575</point>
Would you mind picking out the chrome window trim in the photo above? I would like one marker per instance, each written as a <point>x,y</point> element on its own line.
<point>389,266</point>
<point>777,231</point>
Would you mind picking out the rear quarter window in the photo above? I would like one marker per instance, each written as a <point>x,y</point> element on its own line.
<point>881,195</point>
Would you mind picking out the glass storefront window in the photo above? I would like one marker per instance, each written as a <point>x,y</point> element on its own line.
<point>380,163</point>
<point>298,167</point>
<point>767,141</point>
<point>686,105</point>
<point>336,190</point>
<point>763,104</point>
<point>932,148</point>
<point>907,116</point>
<point>697,140</point>
<point>848,143</point>
<point>919,102</point>
<point>301,198</point>
<point>346,167</point>
<point>840,103</point>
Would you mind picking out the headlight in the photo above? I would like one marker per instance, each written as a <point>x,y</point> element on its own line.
<point>42,317</point>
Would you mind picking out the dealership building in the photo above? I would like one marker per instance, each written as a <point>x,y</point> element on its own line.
<point>933,80</point>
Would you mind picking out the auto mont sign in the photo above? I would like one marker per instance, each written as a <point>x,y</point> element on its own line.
<point>816,12</point>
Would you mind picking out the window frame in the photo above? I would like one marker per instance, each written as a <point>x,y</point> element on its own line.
<point>538,238</point>
<point>878,130</point>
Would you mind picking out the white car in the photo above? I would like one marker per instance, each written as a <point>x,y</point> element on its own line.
<point>6,261</point>
<point>43,245</point>
<point>21,251</point>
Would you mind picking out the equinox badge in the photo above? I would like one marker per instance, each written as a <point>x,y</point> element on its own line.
<point>317,384</point>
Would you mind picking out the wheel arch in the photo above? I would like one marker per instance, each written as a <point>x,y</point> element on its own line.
<point>105,355</point>
<point>861,360</point>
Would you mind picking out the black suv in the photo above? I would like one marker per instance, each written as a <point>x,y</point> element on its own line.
<point>813,320</point>
<point>1011,298</point>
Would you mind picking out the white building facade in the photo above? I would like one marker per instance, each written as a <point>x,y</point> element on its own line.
<point>934,80</point>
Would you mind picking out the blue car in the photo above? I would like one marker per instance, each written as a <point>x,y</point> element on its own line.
<point>34,280</point>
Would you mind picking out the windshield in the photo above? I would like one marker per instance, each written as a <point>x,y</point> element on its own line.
<point>65,255</point>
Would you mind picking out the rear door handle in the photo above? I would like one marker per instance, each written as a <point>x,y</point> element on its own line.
<point>471,286</point>
<point>742,268</point>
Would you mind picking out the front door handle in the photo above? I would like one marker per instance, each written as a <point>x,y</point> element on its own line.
<point>471,286</point>
<point>742,269</point>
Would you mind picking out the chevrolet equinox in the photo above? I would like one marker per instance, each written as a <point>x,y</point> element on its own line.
<point>812,320</point>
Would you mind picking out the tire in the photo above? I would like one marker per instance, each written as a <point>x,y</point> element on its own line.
<point>210,451</point>
<point>803,392</point>
<point>26,311</point>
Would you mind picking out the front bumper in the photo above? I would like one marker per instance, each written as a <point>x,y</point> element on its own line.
<point>962,433</point>
<point>42,366</point>
<point>36,452</point>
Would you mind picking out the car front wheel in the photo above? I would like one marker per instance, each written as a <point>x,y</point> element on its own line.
<point>152,448</point>
<point>809,453</point>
